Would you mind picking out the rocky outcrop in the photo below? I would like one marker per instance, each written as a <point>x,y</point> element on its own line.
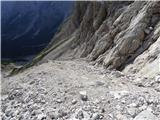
<point>113,34</point>
<point>148,63</point>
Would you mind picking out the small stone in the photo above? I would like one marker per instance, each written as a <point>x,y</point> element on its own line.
<point>27,99</point>
<point>41,117</point>
<point>62,113</point>
<point>132,111</point>
<point>60,83</point>
<point>42,109</point>
<point>4,107</point>
<point>102,110</point>
<point>119,94</point>
<point>74,101</point>
<point>119,116</point>
<point>13,118</point>
<point>5,117</point>
<point>118,107</point>
<point>15,112</point>
<point>101,116</point>
<point>151,28</point>
<point>118,74</point>
<point>149,109</point>
<point>110,115</point>
<point>95,116</point>
<point>147,31</point>
<point>35,112</point>
<point>43,101</point>
<point>35,106</point>
<point>4,97</point>
<point>123,101</point>
<point>145,115</point>
<point>157,79</point>
<point>26,115</point>
<point>132,105</point>
<point>32,82</point>
<point>53,115</point>
<point>83,95</point>
<point>59,101</point>
<point>99,83</point>
<point>8,112</point>
<point>97,101</point>
<point>150,100</point>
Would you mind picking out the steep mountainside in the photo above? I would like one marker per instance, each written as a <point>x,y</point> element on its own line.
<point>112,34</point>
<point>103,64</point>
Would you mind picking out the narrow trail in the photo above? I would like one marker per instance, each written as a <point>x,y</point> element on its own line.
<point>76,90</point>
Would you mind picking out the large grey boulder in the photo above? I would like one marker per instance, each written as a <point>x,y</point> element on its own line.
<point>145,115</point>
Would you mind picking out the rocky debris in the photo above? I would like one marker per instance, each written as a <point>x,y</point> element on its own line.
<point>114,95</point>
<point>152,82</point>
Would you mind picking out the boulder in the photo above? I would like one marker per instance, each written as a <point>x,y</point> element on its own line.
<point>145,115</point>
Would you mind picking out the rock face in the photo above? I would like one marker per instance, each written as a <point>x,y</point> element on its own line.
<point>147,60</point>
<point>113,34</point>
